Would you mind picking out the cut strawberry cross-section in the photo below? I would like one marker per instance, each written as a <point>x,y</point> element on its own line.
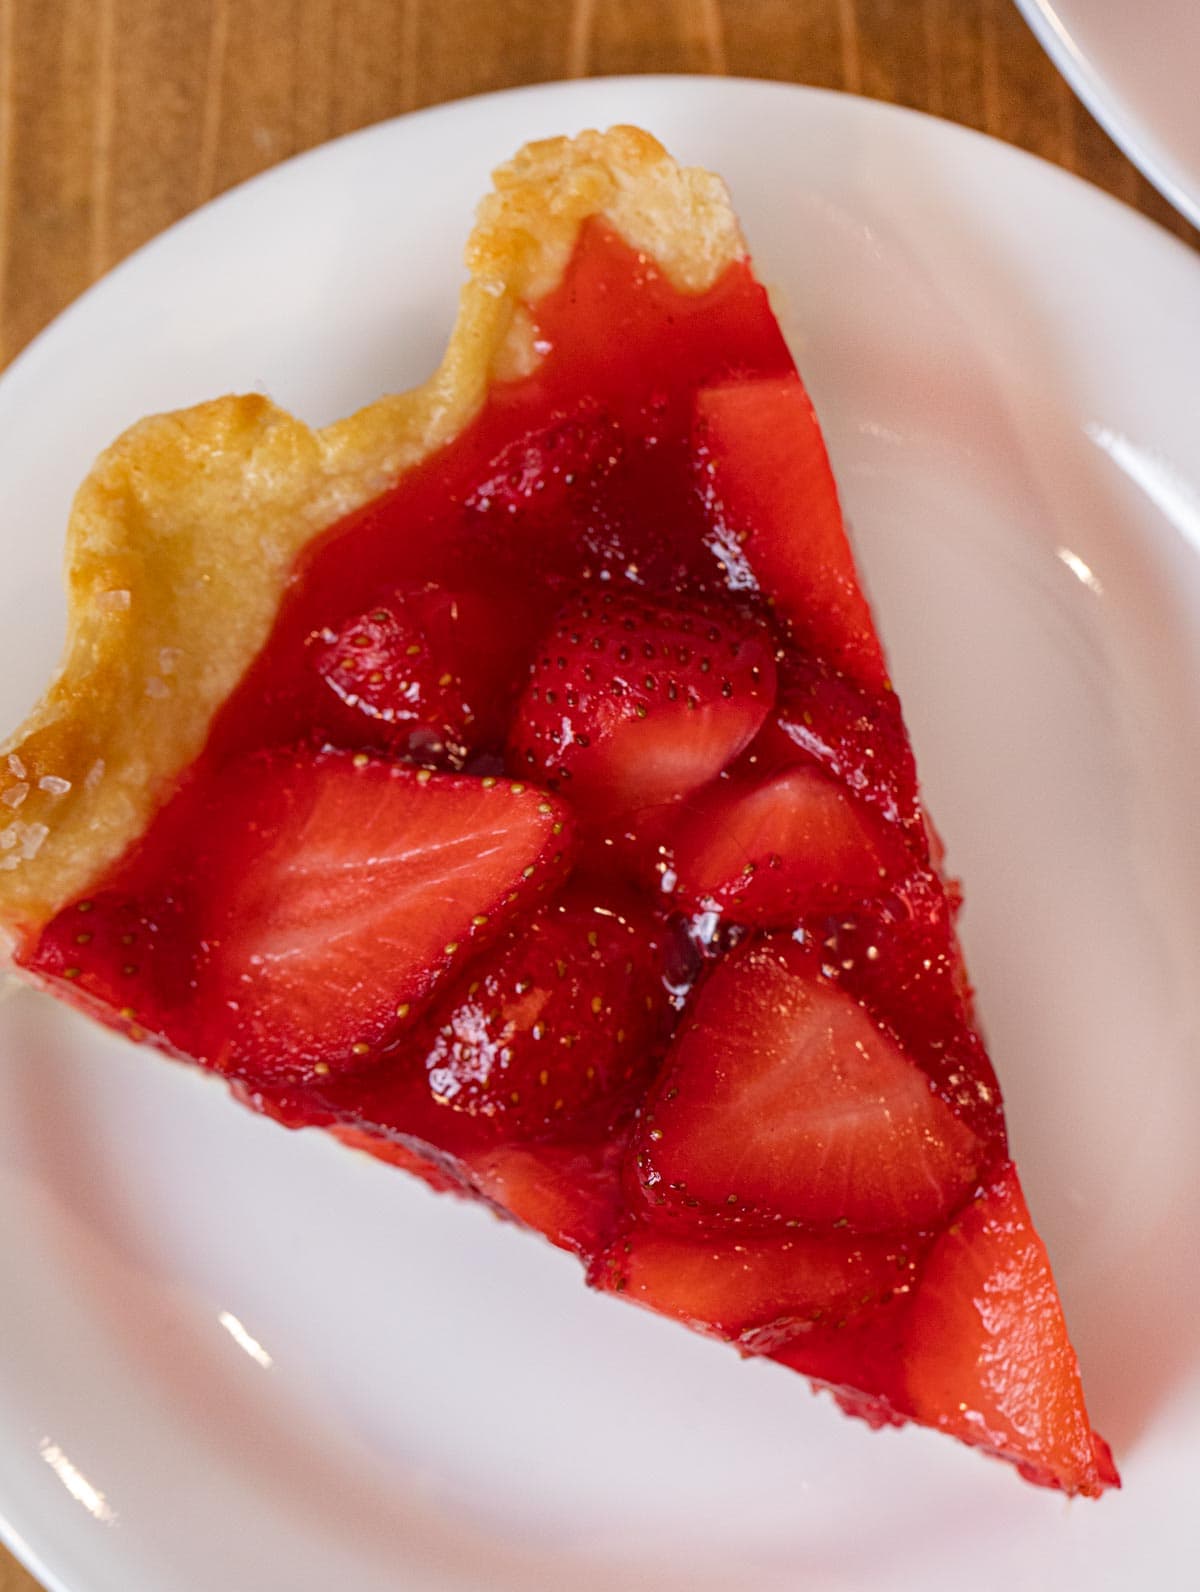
<point>342,890</point>
<point>635,702</point>
<point>776,518</point>
<point>856,735</point>
<point>783,1101</point>
<point>772,852</point>
<point>759,1290</point>
<point>988,1355</point>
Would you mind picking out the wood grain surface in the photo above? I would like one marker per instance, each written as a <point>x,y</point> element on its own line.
<point>117,117</point>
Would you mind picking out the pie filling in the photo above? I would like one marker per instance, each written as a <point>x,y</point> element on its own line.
<point>563,846</point>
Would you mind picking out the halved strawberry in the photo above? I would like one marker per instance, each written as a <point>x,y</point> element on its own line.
<point>759,1290</point>
<point>633,702</point>
<point>341,890</point>
<point>855,735</point>
<point>567,1192</point>
<point>987,1353</point>
<point>430,673</point>
<point>771,852</point>
<point>537,474</point>
<point>782,1100</point>
<point>590,497</point>
<point>899,955</point>
<point>775,517</point>
<point>565,1014</point>
<point>126,961</point>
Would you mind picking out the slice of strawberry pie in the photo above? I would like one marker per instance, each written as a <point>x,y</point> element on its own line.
<point>508,780</point>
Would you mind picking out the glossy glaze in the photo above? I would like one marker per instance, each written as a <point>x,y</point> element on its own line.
<point>584,476</point>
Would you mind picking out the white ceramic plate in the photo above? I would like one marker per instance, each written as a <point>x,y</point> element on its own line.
<point>1135,64</point>
<point>240,1359</point>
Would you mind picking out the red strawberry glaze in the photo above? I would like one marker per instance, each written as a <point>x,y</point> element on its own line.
<point>615,485</point>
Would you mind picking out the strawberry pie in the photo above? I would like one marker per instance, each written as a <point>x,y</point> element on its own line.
<point>508,781</point>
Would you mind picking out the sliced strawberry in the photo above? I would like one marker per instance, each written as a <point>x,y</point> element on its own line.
<point>590,498</point>
<point>430,673</point>
<point>775,518</point>
<point>899,955</point>
<point>128,962</point>
<point>987,1353</point>
<point>566,1013</point>
<point>342,890</point>
<point>539,474</point>
<point>771,852</point>
<point>781,1099</point>
<point>633,702</point>
<point>567,1192</point>
<point>759,1290</point>
<point>857,736</point>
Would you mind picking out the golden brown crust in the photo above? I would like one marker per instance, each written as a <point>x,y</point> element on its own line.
<point>181,539</point>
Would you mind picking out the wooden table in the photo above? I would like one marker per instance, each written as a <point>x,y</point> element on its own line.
<point>119,116</point>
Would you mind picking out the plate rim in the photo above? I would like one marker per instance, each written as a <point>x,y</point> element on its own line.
<point>1117,116</point>
<point>887,109</point>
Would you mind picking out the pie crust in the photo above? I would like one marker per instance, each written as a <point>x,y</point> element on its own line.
<point>182,538</point>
